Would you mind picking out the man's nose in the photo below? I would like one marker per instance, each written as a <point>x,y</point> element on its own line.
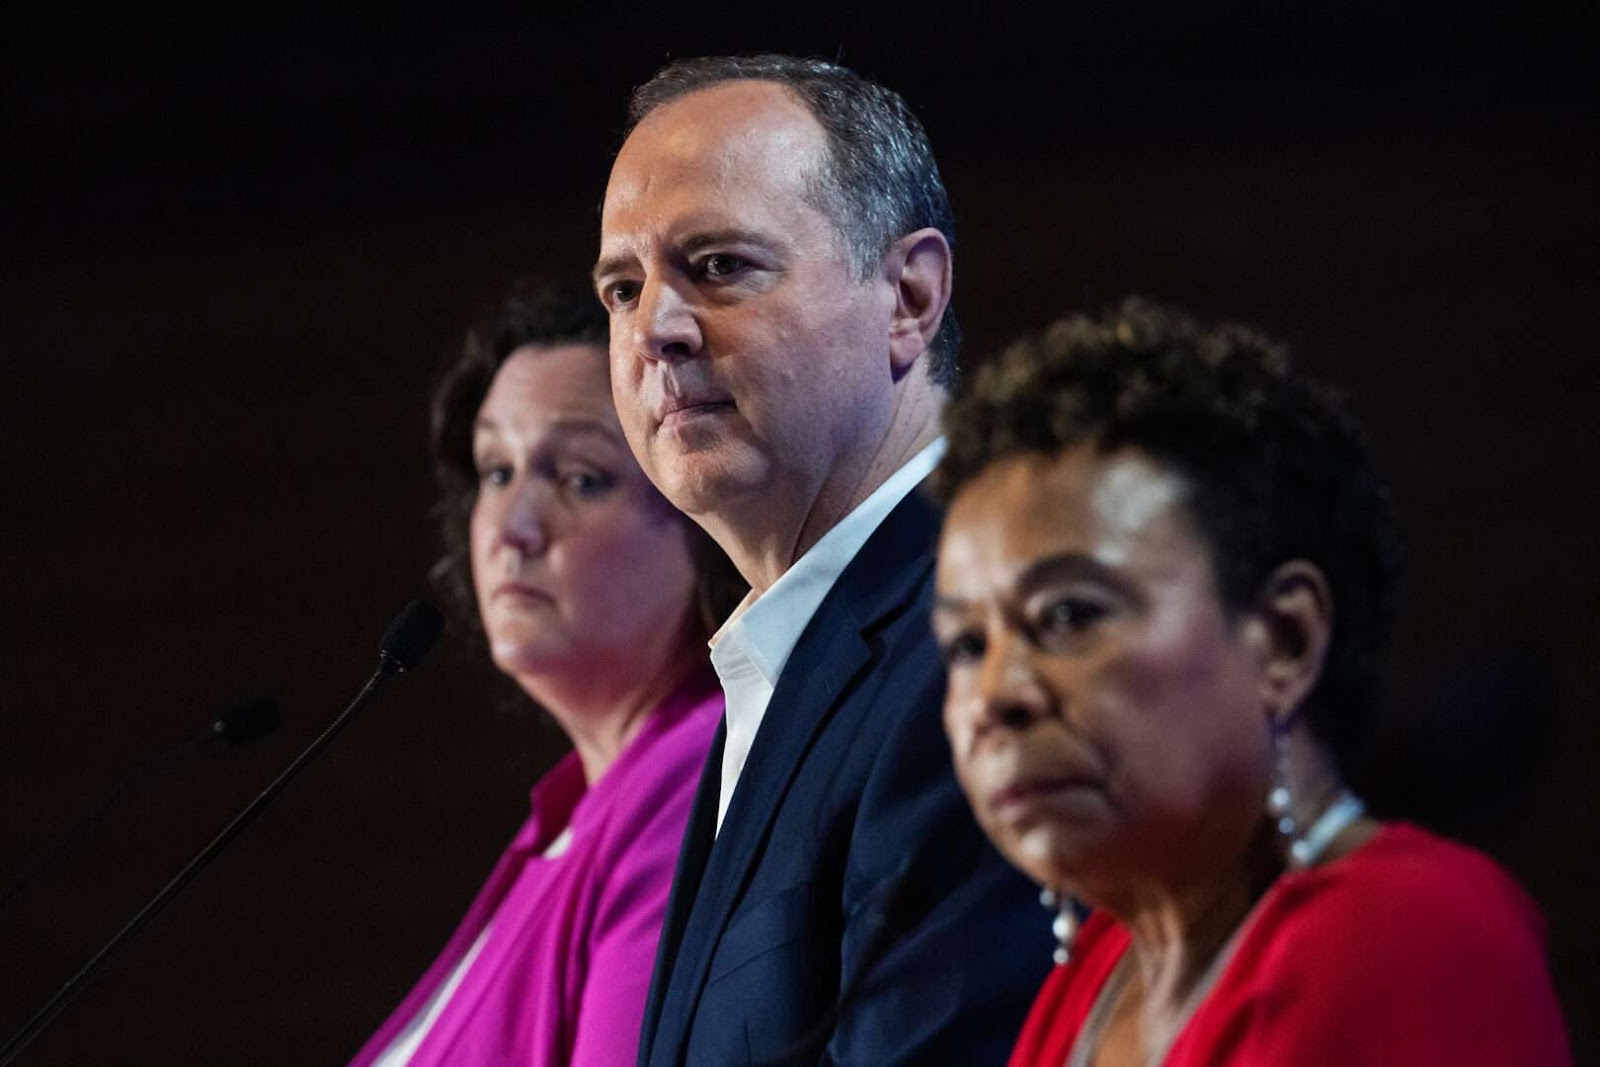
<point>665,327</point>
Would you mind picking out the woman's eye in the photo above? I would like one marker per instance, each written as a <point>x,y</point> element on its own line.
<point>586,482</point>
<point>961,648</point>
<point>1070,615</point>
<point>496,475</point>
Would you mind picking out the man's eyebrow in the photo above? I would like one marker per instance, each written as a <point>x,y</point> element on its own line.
<point>697,241</point>
<point>608,265</point>
<point>700,240</point>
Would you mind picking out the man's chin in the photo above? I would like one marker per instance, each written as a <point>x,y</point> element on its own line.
<point>707,483</point>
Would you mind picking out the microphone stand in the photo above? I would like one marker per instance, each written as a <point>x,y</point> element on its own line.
<point>388,666</point>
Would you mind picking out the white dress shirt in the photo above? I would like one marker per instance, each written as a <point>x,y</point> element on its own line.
<point>406,1043</point>
<point>750,649</point>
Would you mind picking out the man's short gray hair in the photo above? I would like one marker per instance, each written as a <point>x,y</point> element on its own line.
<point>879,182</point>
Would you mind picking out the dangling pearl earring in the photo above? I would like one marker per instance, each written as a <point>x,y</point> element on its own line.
<point>1065,925</point>
<point>1280,802</point>
<point>1304,849</point>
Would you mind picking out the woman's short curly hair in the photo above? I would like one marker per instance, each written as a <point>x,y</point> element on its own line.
<point>546,316</point>
<point>1277,468</point>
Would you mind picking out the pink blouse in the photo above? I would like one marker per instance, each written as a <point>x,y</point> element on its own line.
<point>563,973</point>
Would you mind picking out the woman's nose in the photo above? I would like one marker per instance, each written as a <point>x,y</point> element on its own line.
<point>524,525</point>
<point>1011,695</point>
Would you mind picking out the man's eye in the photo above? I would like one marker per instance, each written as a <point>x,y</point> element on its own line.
<point>722,265</point>
<point>619,293</point>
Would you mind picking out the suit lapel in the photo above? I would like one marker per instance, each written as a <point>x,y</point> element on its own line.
<point>829,654</point>
<point>698,837</point>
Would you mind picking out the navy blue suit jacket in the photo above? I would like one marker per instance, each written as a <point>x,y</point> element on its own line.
<point>850,911</point>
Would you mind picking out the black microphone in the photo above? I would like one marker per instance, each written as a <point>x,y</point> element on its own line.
<point>407,640</point>
<point>409,637</point>
<point>242,722</point>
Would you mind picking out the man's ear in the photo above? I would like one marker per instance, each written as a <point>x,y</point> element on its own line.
<point>920,269</point>
<point>1296,606</point>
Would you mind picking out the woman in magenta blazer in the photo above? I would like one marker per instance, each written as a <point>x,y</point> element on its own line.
<point>596,598</point>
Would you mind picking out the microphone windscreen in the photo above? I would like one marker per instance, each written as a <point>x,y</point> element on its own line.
<point>247,720</point>
<point>411,634</point>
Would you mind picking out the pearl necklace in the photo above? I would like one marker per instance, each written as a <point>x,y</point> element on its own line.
<point>1303,852</point>
<point>1334,820</point>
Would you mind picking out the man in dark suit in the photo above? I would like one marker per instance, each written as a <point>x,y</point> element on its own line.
<point>775,256</point>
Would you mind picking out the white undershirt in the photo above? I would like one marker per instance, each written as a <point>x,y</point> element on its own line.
<point>751,648</point>
<point>405,1044</point>
<point>407,1041</point>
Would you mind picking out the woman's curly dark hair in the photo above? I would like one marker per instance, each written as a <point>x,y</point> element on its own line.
<point>1277,468</point>
<point>544,315</point>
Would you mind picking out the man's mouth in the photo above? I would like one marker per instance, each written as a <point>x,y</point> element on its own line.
<point>680,412</point>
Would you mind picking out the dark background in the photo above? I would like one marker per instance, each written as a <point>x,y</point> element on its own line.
<point>235,253</point>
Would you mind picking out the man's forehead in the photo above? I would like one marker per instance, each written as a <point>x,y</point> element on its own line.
<point>730,107</point>
<point>736,155</point>
<point>728,133</point>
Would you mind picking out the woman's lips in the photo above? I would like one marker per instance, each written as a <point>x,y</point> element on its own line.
<point>519,591</point>
<point>1020,797</point>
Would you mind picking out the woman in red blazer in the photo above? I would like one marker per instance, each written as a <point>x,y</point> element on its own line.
<point>1163,593</point>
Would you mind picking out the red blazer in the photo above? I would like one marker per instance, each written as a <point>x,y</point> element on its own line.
<point>1411,950</point>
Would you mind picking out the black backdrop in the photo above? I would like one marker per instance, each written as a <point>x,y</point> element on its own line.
<point>235,253</point>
